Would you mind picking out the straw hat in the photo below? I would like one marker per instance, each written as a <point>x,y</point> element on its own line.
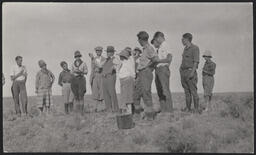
<point>207,53</point>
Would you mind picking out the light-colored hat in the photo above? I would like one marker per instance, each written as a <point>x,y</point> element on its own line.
<point>98,48</point>
<point>77,54</point>
<point>137,49</point>
<point>41,63</point>
<point>207,53</point>
<point>126,52</point>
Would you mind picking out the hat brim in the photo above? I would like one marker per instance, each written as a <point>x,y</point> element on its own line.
<point>123,56</point>
<point>77,56</point>
<point>111,51</point>
<point>207,56</point>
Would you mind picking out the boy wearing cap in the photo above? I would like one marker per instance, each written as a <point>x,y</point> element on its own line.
<point>96,74</point>
<point>64,81</point>
<point>44,81</point>
<point>208,78</point>
<point>126,72</point>
<point>109,80</point>
<point>190,61</point>
<point>19,92</point>
<point>162,73</point>
<point>78,82</point>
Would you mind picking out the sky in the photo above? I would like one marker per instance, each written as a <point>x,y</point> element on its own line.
<point>54,31</point>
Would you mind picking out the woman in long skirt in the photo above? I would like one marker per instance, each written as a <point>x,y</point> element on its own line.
<point>78,82</point>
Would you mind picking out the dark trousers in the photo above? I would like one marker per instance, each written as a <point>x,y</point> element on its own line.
<point>143,89</point>
<point>162,76</point>
<point>190,88</point>
<point>109,92</point>
<point>19,93</point>
<point>78,87</point>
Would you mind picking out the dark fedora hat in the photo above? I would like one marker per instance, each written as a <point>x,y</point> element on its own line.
<point>77,54</point>
<point>110,49</point>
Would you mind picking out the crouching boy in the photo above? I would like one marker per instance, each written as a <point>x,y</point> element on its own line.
<point>44,81</point>
<point>126,72</point>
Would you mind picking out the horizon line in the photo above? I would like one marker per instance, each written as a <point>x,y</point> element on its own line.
<point>156,93</point>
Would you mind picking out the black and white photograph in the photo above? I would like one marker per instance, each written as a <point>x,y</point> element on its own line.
<point>115,77</point>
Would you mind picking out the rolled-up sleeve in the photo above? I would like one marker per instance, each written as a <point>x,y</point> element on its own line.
<point>150,52</point>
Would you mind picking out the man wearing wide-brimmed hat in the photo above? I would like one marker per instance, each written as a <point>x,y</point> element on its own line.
<point>78,82</point>
<point>109,81</point>
<point>96,74</point>
<point>44,81</point>
<point>208,78</point>
<point>162,73</point>
<point>126,73</point>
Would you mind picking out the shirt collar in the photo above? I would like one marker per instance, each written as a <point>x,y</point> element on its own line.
<point>209,61</point>
<point>66,70</point>
<point>187,47</point>
<point>98,57</point>
<point>146,45</point>
<point>19,66</point>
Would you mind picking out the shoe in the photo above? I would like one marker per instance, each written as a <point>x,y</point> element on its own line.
<point>150,116</point>
<point>19,114</point>
<point>138,111</point>
<point>186,109</point>
<point>196,111</point>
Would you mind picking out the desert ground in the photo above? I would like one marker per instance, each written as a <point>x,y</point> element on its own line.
<point>229,128</point>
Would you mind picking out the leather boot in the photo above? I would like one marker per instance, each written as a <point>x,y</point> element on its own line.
<point>66,108</point>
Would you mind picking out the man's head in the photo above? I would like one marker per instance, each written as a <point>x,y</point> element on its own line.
<point>98,50</point>
<point>77,55</point>
<point>143,37</point>
<point>64,65</point>
<point>158,39</point>
<point>207,55</point>
<point>186,39</point>
<point>42,64</point>
<point>137,51</point>
<point>18,60</point>
<point>110,51</point>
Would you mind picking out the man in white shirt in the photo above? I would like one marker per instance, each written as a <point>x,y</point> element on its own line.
<point>162,73</point>
<point>19,92</point>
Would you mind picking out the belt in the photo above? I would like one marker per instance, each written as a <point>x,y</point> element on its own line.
<point>79,76</point>
<point>145,69</point>
<point>108,74</point>
<point>65,81</point>
<point>207,75</point>
<point>186,69</point>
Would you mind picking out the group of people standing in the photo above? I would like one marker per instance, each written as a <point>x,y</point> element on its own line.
<point>133,67</point>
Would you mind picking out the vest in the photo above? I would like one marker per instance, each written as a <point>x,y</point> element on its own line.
<point>108,65</point>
